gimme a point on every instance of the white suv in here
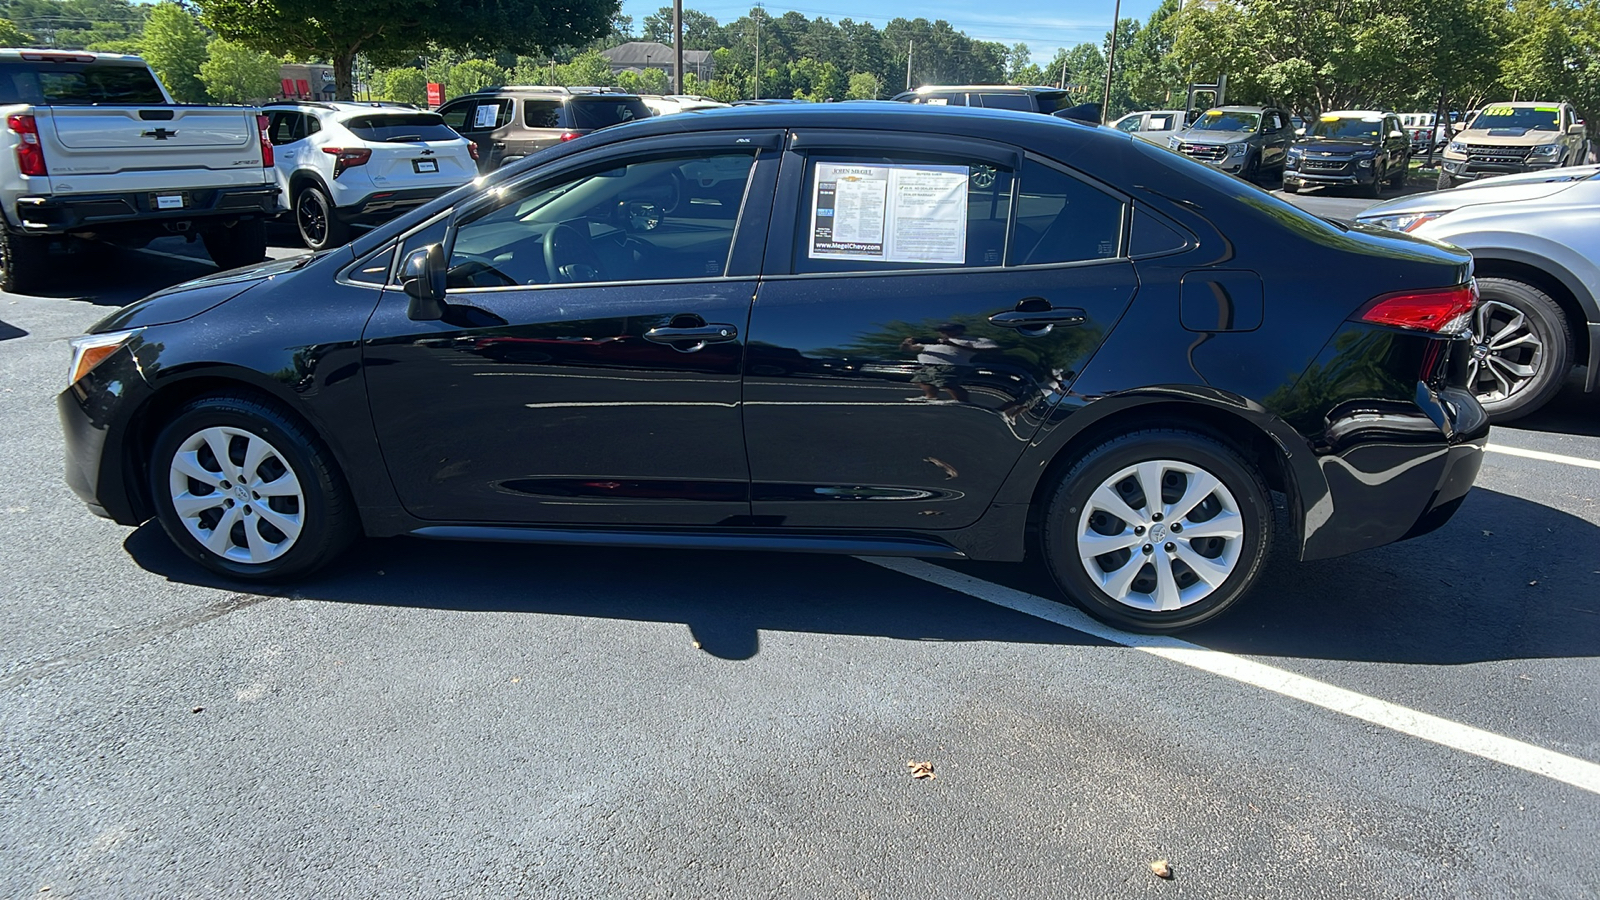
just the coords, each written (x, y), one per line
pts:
(341, 164)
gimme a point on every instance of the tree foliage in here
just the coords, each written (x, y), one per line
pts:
(406, 84)
(175, 47)
(233, 73)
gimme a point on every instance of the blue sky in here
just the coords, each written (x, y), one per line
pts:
(1042, 26)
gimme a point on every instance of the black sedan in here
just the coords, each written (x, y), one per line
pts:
(897, 330)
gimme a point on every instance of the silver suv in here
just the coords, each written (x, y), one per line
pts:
(508, 123)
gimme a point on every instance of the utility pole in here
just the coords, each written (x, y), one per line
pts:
(1111, 61)
(677, 46)
(911, 47)
(758, 51)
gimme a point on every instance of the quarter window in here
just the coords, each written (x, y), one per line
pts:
(1061, 219)
(541, 113)
(866, 214)
(648, 219)
(1021, 102)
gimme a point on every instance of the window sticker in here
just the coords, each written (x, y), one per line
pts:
(486, 114)
(890, 213)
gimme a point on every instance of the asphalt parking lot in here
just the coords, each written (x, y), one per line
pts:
(432, 719)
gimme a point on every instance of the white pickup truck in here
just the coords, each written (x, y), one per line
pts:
(95, 147)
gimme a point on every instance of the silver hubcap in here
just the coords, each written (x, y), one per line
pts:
(237, 495)
(1160, 535)
(1507, 354)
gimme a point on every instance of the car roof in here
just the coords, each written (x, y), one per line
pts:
(1357, 113)
(1248, 109)
(346, 108)
(550, 89)
(989, 88)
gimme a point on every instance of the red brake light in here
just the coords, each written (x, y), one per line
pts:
(568, 135)
(30, 154)
(1437, 311)
(347, 159)
(472, 148)
(266, 142)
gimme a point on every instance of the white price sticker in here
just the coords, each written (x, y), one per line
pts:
(485, 115)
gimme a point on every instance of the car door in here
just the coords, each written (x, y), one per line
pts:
(587, 370)
(1275, 139)
(926, 301)
(485, 121)
(1396, 144)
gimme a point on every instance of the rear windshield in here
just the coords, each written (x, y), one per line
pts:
(77, 84)
(401, 128)
(599, 112)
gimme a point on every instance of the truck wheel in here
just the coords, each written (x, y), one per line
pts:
(24, 259)
(314, 216)
(1446, 182)
(241, 244)
(1523, 348)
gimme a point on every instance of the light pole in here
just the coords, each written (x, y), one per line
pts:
(677, 46)
(1111, 60)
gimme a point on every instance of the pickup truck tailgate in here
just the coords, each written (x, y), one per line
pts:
(186, 141)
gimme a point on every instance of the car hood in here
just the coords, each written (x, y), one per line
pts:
(190, 299)
(1214, 137)
(1508, 137)
(1332, 145)
(1503, 189)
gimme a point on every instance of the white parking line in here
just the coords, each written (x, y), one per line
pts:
(1541, 455)
(1488, 745)
(178, 256)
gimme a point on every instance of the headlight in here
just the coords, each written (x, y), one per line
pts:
(1364, 162)
(93, 349)
(1295, 152)
(1406, 222)
(1173, 143)
(1239, 149)
(1549, 151)
(1456, 147)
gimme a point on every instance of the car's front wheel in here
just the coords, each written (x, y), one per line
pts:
(314, 216)
(1445, 182)
(246, 491)
(1522, 348)
(1158, 530)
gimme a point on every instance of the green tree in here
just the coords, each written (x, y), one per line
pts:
(863, 86)
(406, 84)
(175, 47)
(1554, 53)
(233, 73)
(645, 81)
(589, 68)
(388, 31)
(11, 36)
(473, 74)
(700, 31)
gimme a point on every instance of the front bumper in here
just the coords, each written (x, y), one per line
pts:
(61, 214)
(1469, 169)
(1359, 176)
(380, 206)
(97, 428)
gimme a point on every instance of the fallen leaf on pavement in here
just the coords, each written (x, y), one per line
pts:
(1162, 868)
(197, 709)
(920, 769)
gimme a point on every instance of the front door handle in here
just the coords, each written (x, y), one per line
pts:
(691, 338)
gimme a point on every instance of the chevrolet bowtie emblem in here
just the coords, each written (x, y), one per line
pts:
(159, 134)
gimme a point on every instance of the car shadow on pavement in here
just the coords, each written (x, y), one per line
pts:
(1507, 578)
(106, 275)
(9, 331)
(1569, 412)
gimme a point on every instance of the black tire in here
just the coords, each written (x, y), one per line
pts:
(1398, 179)
(1373, 188)
(1070, 498)
(315, 218)
(243, 243)
(24, 261)
(1252, 168)
(1548, 324)
(1445, 182)
(1291, 188)
(327, 517)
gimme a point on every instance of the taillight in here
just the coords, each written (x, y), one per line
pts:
(1437, 311)
(472, 148)
(347, 159)
(568, 135)
(266, 141)
(30, 154)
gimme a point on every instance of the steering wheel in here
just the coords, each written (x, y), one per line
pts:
(476, 271)
(568, 255)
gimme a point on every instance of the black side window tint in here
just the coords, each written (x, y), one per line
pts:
(1021, 102)
(433, 233)
(541, 113)
(1152, 236)
(1061, 219)
(868, 214)
(455, 115)
(374, 269)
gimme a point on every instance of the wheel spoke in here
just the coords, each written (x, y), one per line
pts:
(1505, 386)
(1201, 485)
(1518, 370)
(217, 440)
(1516, 324)
(1522, 340)
(1118, 583)
(256, 451)
(1106, 500)
(288, 524)
(1211, 571)
(188, 506)
(284, 485)
(188, 463)
(260, 548)
(1166, 593)
(1472, 373)
(1223, 525)
(220, 539)
(1093, 544)
(1149, 474)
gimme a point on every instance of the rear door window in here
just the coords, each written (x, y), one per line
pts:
(476, 115)
(399, 128)
(541, 113)
(944, 98)
(1061, 219)
(602, 112)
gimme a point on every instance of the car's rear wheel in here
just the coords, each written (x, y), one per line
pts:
(243, 243)
(1522, 348)
(1158, 530)
(246, 491)
(314, 216)
(24, 260)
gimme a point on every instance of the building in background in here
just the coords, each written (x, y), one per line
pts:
(637, 56)
(306, 81)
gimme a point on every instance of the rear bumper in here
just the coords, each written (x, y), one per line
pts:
(88, 212)
(380, 206)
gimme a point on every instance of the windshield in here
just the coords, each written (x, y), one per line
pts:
(401, 128)
(599, 112)
(1535, 118)
(1345, 127)
(1217, 120)
(77, 84)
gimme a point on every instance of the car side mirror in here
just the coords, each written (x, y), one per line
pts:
(1576, 128)
(1397, 134)
(422, 277)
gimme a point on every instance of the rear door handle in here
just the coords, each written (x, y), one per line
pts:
(1039, 318)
